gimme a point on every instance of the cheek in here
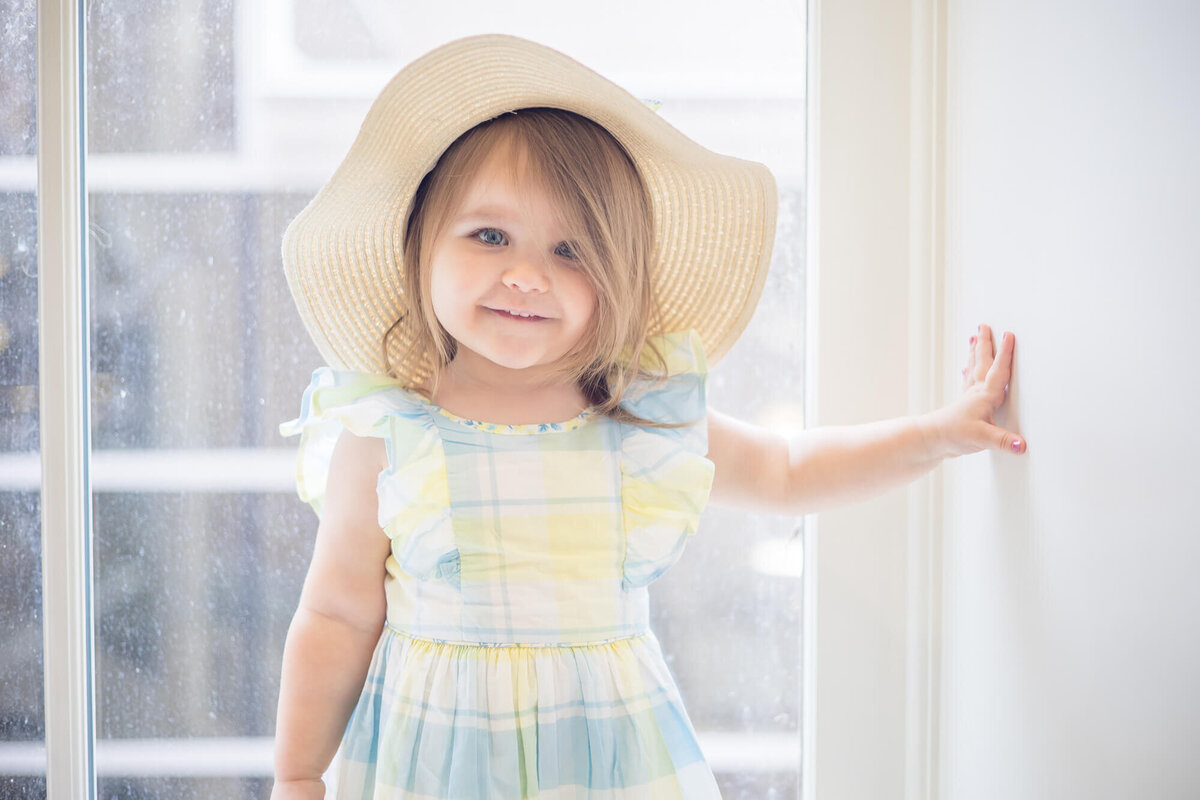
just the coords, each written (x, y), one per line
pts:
(437, 290)
(444, 288)
(583, 300)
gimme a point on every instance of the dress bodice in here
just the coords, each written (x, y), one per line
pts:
(522, 534)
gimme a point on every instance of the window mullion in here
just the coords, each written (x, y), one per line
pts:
(63, 401)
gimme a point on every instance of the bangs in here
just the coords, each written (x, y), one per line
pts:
(581, 169)
(603, 210)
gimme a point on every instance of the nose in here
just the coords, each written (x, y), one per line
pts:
(526, 275)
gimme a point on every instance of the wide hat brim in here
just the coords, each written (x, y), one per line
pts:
(713, 215)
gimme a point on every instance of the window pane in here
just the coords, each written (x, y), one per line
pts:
(200, 542)
(160, 77)
(22, 719)
(198, 354)
(18, 65)
(197, 573)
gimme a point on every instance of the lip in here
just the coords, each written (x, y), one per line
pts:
(503, 312)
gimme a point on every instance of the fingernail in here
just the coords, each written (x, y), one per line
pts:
(1016, 445)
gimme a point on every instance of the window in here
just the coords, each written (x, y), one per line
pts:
(22, 729)
(210, 126)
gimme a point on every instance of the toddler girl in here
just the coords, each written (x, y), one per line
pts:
(520, 275)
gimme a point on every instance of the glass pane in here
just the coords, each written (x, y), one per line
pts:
(198, 354)
(22, 718)
(734, 598)
(18, 65)
(197, 573)
(200, 542)
(161, 77)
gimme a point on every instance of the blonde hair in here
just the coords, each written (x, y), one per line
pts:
(590, 178)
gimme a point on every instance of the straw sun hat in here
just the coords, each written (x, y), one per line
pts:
(713, 215)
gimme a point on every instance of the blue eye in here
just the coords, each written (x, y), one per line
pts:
(491, 236)
(564, 251)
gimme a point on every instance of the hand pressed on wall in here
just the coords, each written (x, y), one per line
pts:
(968, 424)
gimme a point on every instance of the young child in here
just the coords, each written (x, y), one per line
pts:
(520, 275)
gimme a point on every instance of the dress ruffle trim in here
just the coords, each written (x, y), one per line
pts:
(414, 494)
(665, 474)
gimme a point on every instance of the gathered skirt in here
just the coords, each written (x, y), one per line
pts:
(443, 720)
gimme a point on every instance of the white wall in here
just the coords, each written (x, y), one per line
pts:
(1071, 576)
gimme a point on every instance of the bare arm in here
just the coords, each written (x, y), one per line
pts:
(337, 624)
(826, 467)
(818, 469)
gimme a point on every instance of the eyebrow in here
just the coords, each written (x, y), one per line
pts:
(485, 212)
(501, 214)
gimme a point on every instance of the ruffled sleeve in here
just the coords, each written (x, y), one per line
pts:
(665, 475)
(414, 496)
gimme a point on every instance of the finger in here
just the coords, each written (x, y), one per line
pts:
(968, 373)
(1001, 369)
(984, 352)
(1007, 440)
(976, 349)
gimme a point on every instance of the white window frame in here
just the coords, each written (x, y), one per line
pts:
(63, 405)
(875, 265)
(871, 606)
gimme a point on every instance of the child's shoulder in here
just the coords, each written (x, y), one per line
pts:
(672, 385)
(347, 426)
(359, 400)
(369, 452)
(678, 353)
(354, 467)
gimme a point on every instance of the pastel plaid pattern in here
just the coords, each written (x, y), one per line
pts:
(517, 660)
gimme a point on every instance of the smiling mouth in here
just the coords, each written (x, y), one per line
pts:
(517, 315)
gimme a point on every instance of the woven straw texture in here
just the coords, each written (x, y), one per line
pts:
(713, 215)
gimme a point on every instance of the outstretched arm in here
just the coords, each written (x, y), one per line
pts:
(823, 468)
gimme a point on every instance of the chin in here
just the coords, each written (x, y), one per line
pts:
(516, 362)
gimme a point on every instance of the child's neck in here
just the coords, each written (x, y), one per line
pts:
(507, 397)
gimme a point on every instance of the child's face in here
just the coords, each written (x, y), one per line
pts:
(503, 250)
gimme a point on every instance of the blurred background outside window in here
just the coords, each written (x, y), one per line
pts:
(211, 123)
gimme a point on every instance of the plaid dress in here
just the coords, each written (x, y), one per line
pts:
(517, 659)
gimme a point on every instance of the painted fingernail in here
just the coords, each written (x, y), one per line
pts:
(972, 340)
(1016, 445)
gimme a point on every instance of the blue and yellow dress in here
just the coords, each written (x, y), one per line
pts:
(517, 659)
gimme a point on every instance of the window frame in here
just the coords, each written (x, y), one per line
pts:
(63, 394)
(872, 609)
